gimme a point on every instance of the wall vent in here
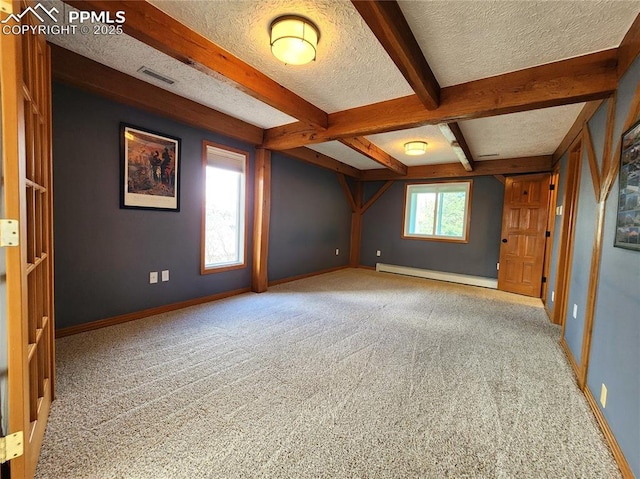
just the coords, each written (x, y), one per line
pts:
(156, 75)
(487, 155)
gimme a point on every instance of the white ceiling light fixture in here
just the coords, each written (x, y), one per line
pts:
(415, 148)
(294, 39)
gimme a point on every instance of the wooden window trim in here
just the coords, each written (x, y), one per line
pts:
(438, 238)
(221, 269)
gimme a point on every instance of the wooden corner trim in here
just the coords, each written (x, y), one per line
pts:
(347, 192)
(125, 318)
(376, 196)
(593, 161)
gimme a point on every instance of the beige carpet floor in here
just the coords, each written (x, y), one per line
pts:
(352, 374)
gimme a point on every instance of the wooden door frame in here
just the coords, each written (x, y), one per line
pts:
(15, 200)
(25, 95)
(567, 232)
(551, 223)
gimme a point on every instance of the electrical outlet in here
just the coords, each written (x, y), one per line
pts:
(165, 275)
(553, 296)
(497, 266)
(153, 277)
(378, 253)
(337, 251)
(603, 396)
(575, 311)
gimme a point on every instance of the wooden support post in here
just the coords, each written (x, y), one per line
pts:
(356, 227)
(261, 217)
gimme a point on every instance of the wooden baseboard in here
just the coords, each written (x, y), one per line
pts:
(124, 318)
(625, 469)
(549, 313)
(307, 275)
(572, 361)
(618, 455)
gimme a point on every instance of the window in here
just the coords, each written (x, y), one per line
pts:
(437, 211)
(224, 212)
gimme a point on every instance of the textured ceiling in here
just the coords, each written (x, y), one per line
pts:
(462, 40)
(532, 133)
(127, 55)
(352, 69)
(438, 150)
(469, 40)
(343, 153)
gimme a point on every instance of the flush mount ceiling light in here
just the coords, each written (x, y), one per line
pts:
(414, 148)
(294, 39)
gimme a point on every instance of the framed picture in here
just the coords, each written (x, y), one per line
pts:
(628, 219)
(150, 169)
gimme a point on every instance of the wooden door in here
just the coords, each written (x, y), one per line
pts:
(524, 226)
(26, 136)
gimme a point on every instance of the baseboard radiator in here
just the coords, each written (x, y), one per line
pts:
(438, 275)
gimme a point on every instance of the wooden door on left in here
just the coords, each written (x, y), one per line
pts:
(27, 163)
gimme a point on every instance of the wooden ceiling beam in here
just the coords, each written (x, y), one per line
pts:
(152, 26)
(511, 166)
(585, 78)
(371, 151)
(453, 134)
(388, 24)
(76, 70)
(71, 68)
(315, 158)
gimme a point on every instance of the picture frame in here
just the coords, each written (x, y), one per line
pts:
(149, 169)
(628, 213)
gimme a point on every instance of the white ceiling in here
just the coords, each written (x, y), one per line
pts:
(463, 40)
(126, 54)
(352, 69)
(531, 133)
(343, 153)
(468, 40)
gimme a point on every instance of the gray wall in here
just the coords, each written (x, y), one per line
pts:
(103, 253)
(581, 264)
(310, 219)
(382, 229)
(615, 343)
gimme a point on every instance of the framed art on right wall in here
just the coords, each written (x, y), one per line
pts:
(628, 218)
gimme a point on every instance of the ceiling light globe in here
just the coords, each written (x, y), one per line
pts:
(294, 40)
(414, 148)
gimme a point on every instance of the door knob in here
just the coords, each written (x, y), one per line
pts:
(504, 240)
